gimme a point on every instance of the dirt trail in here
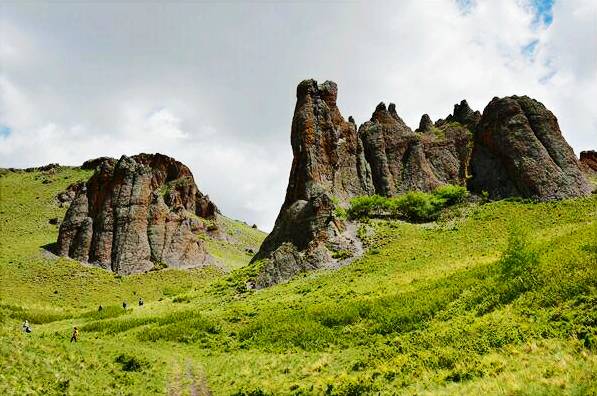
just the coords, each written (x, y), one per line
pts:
(187, 379)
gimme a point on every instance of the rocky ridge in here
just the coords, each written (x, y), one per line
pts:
(515, 148)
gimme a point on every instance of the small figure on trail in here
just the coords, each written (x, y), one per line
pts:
(100, 309)
(26, 327)
(75, 335)
(124, 305)
(140, 302)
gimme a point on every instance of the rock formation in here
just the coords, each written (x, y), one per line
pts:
(425, 125)
(326, 148)
(464, 115)
(135, 213)
(65, 197)
(520, 151)
(333, 163)
(328, 165)
(402, 160)
(514, 148)
(92, 164)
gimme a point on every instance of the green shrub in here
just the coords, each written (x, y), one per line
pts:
(451, 194)
(341, 254)
(415, 206)
(518, 261)
(367, 206)
(185, 298)
(419, 206)
(340, 212)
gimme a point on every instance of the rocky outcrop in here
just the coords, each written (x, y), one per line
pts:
(514, 148)
(425, 125)
(326, 149)
(92, 164)
(588, 160)
(135, 213)
(333, 163)
(65, 197)
(520, 151)
(328, 167)
(402, 160)
(463, 115)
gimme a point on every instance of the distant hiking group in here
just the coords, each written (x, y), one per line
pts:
(75, 335)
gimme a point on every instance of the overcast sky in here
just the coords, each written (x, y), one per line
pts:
(213, 84)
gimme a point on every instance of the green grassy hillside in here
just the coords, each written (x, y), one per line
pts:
(496, 298)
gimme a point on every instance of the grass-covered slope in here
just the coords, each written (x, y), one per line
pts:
(28, 273)
(496, 298)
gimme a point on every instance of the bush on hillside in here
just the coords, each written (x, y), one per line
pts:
(418, 206)
(518, 260)
(131, 363)
(414, 206)
(368, 206)
(451, 194)
(518, 265)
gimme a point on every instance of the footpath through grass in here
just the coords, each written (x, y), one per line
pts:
(496, 298)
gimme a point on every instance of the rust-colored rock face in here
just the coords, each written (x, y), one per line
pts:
(402, 160)
(328, 165)
(520, 151)
(136, 212)
(588, 160)
(326, 148)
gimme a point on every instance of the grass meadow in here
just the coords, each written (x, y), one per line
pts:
(496, 298)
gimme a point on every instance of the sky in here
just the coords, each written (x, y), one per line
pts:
(213, 84)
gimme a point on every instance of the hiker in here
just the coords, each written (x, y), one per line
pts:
(140, 302)
(75, 335)
(100, 309)
(124, 305)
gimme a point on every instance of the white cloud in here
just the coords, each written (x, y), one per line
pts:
(213, 84)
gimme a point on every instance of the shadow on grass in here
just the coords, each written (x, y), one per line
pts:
(51, 248)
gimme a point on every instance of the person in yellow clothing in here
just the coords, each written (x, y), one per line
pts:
(75, 335)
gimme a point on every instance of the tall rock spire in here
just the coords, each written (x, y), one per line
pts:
(328, 168)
